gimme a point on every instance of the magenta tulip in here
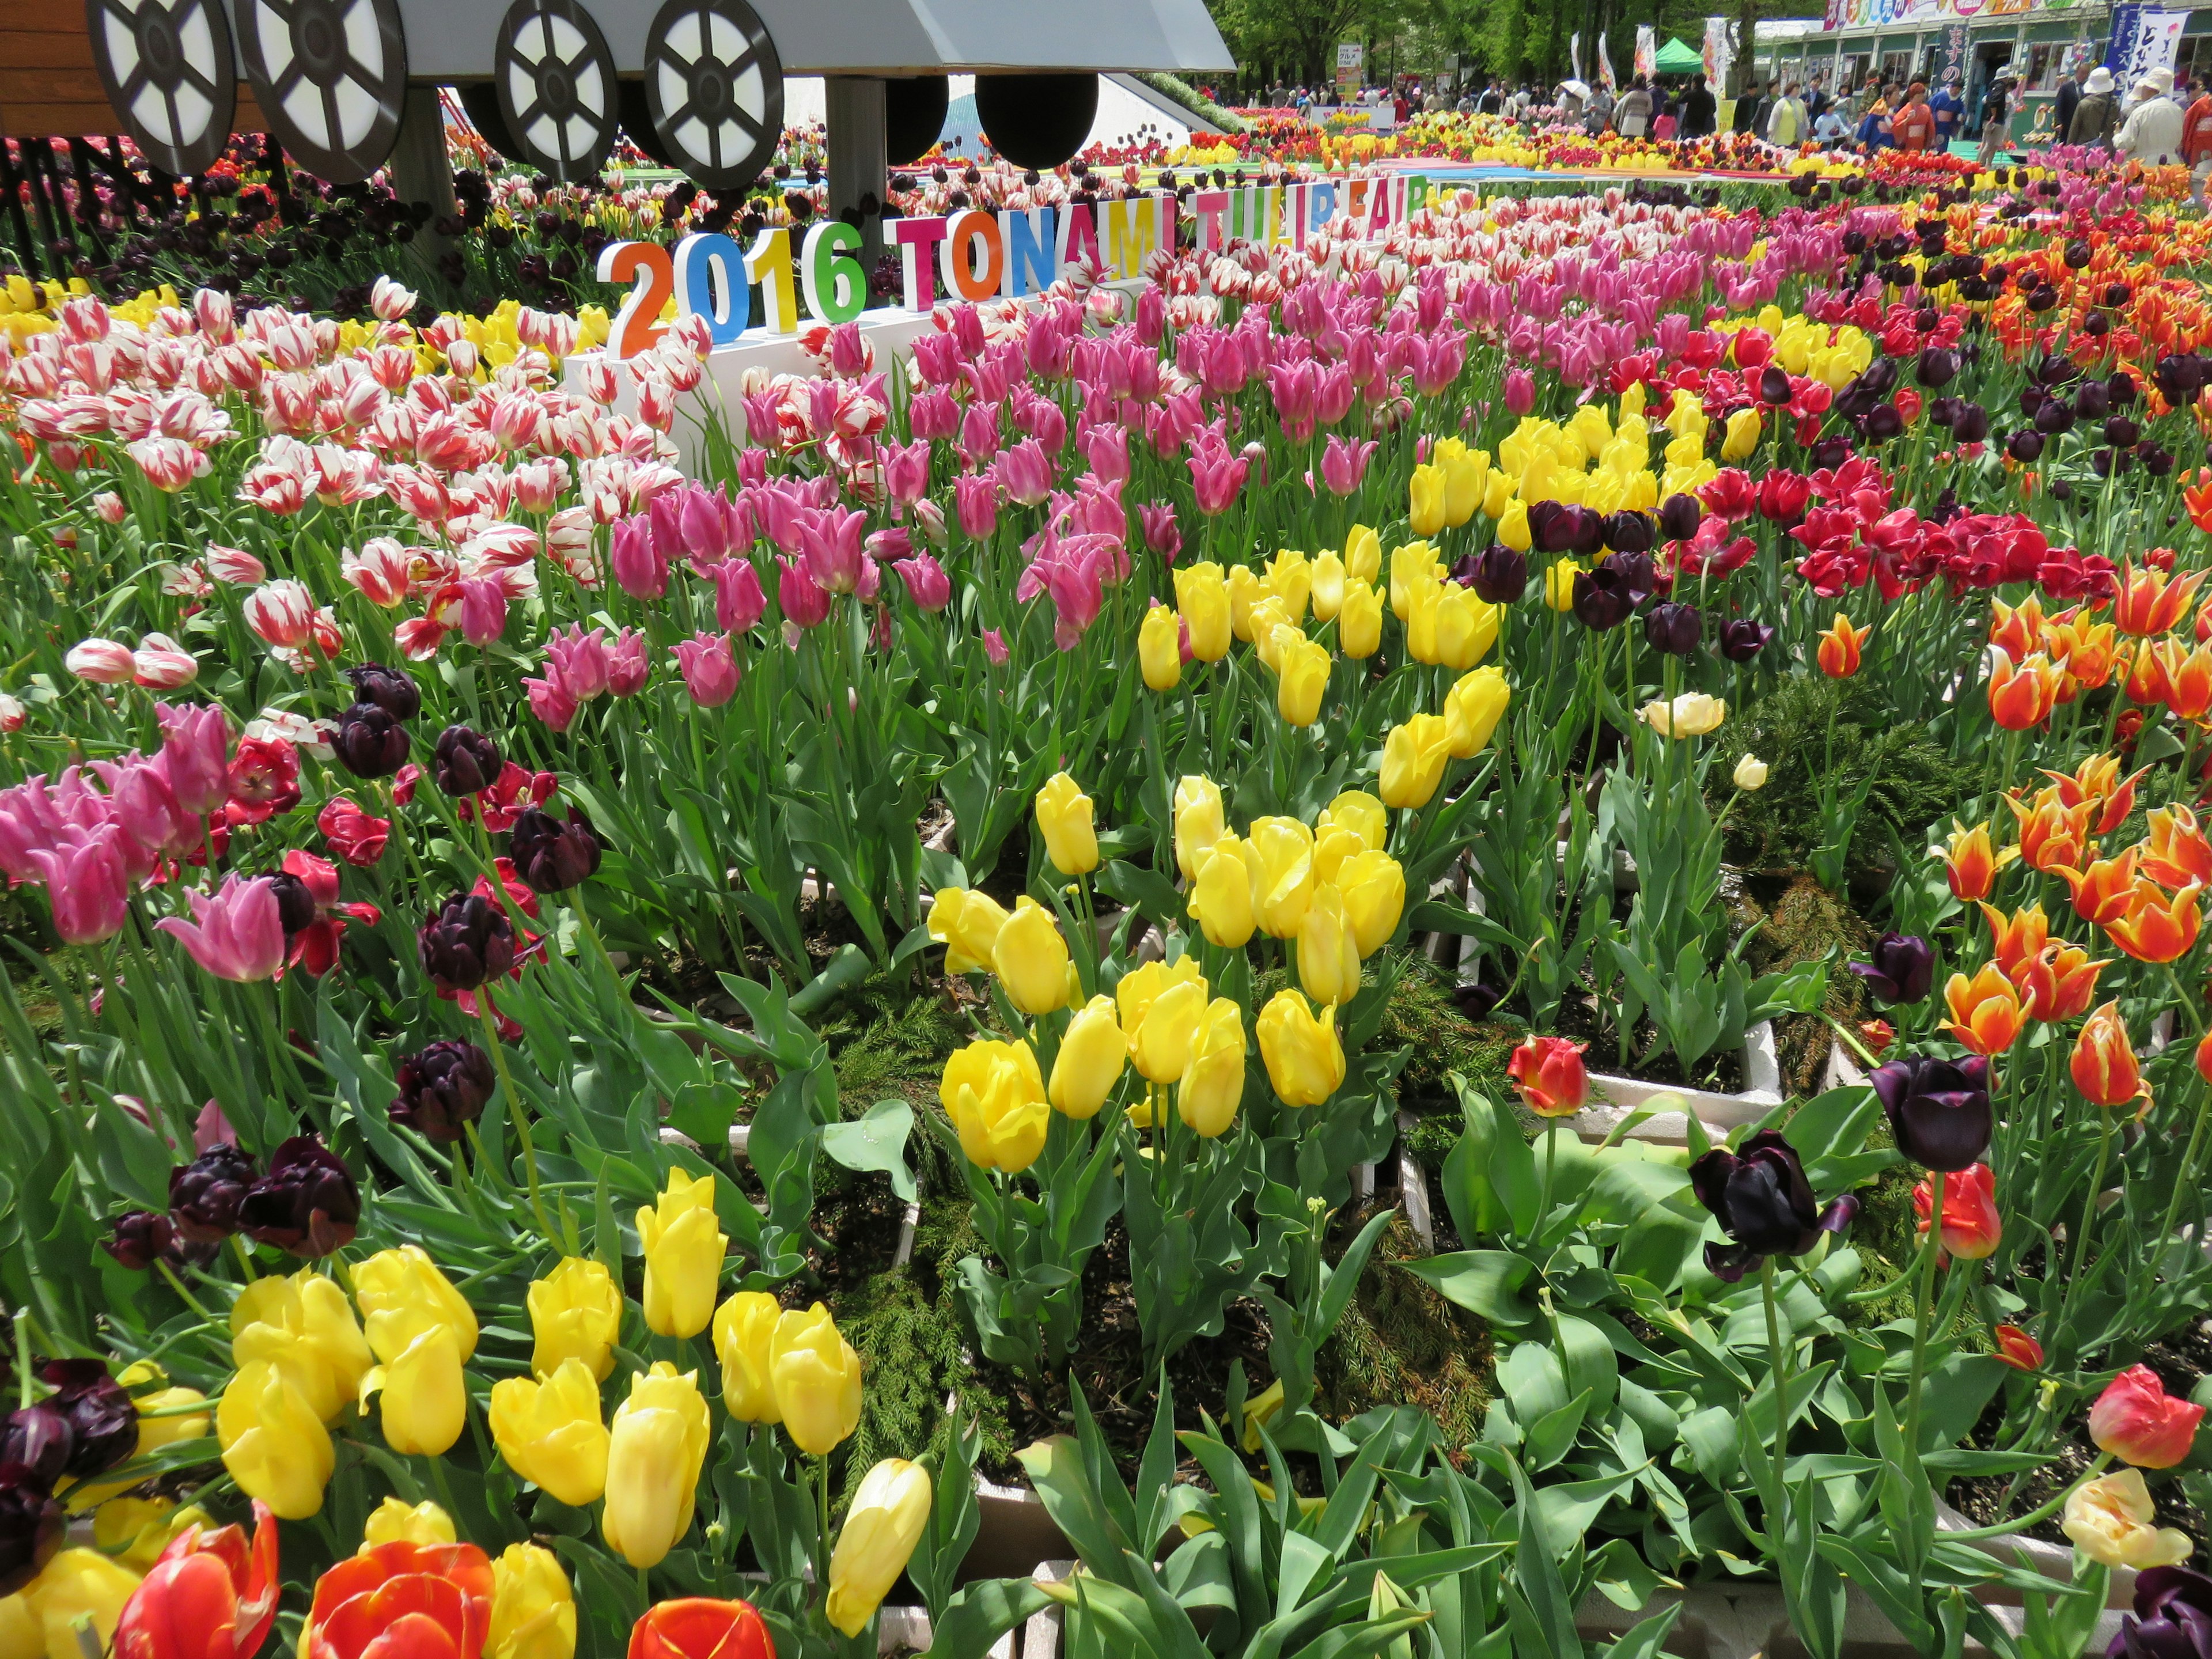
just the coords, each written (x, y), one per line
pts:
(239, 934)
(740, 601)
(1343, 464)
(710, 672)
(87, 888)
(195, 754)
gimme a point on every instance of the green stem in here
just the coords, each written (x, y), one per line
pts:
(1922, 1302)
(2089, 1217)
(520, 1116)
(2043, 1513)
(1779, 1361)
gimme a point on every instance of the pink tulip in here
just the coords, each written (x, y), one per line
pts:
(103, 662)
(109, 507)
(1343, 464)
(282, 613)
(1162, 534)
(705, 531)
(1217, 475)
(160, 663)
(627, 664)
(830, 541)
(1520, 391)
(237, 935)
(87, 887)
(979, 433)
(804, 601)
(1107, 449)
(710, 672)
(146, 806)
(639, 568)
(932, 415)
(739, 602)
(976, 498)
(1297, 389)
(782, 510)
(994, 647)
(906, 471)
(195, 755)
(551, 701)
(579, 661)
(1025, 473)
(927, 584)
(483, 610)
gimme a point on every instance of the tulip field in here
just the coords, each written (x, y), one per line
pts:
(1456, 935)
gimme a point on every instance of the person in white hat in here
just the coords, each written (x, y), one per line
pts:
(2152, 132)
(2097, 116)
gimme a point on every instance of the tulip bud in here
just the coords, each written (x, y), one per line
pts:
(466, 762)
(392, 690)
(1200, 821)
(1742, 639)
(994, 1095)
(1327, 954)
(576, 1313)
(683, 1248)
(2104, 1065)
(889, 1510)
(1305, 1059)
(817, 1377)
(369, 741)
(1221, 898)
(1750, 773)
(1063, 817)
(550, 1434)
(1680, 516)
(1473, 708)
(1159, 648)
(469, 941)
(443, 1089)
(745, 1334)
(1030, 958)
(393, 1522)
(1212, 1085)
(552, 856)
(1092, 1052)
(655, 1452)
(533, 1611)
(1359, 623)
(2136, 1420)
(1548, 1072)
(1902, 969)
(1673, 628)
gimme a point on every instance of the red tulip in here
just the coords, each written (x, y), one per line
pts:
(696, 1627)
(402, 1600)
(1971, 1226)
(2017, 1349)
(1548, 1072)
(211, 1595)
(2137, 1421)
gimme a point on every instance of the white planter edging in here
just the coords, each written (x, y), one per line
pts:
(1615, 1099)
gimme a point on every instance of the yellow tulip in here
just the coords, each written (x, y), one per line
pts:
(1631, 401)
(994, 1095)
(817, 1380)
(1412, 567)
(393, 1522)
(1466, 471)
(2112, 1519)
(1742, 435)
(745, 1333)
(79, 1588)
(653, 1457)
(967, 924)
(533, 1611)
(1496, 492)
(1559, 583)
(1413, 757)
(273, 1440)
(1305, 1059)
(135, 1530)
(1302, 669)
(1425, 515)
(684, 1249)
(1031, 958)
(1450, 626)
(402, 1294)
(888, 1512)
(304, 1325)
(550, 1433)
(1686, 416)
(1362, 554)
(426, 1399)
(1290, 578)
(1212, 1085)
(154, 1431)
(1359, 623)
(1360, 814)
(1473, 708)
(1245, 591)
(1202, 597)
(576, 1313)
(1159, 648)
(1328, 955)
(1692, 715)
(21, 1635)
(1283, 883)
(1374, 888)
(1063, 817)
(1200, 819)
(1333, 845)
(1513, 527)
(1328, 590)
(1221, 898)
(1160, 1003)
(1092, 1052)
(1272, 633)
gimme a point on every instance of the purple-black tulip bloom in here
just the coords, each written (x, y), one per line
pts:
(1499, 574)
(39, 1439)
(1674, 628)
(1742, 639)
(103, 1421)
(1602, 600)
(1628, 531)
(1679, 515)
(1586, 530)
(1550, 529)
(1938, 366)
(370, 742)
(2025, 445)
(466, 761)
(549, 855)
(1773, 386)
(1903, 968)
(443, 1089)
(204, 1195)
(2172, 1617)
(306, 1204)
(468, 941)
(1760, 1197)
(1939, 1109)
(32, 1523)
(392, 690)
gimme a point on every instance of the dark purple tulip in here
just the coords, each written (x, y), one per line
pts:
(296, 909)
(1674, 628)
(2032, 397)
(1602, 597)
(1550, 529)
(1939, 1109)
(2025, 446)
(32, 1523)
(1971, 424)
(466, 761)
(100, 1412)
(2180, 377)
(2156, 458)
(1760, 1197)
(1884, 423)
(2122, 431)
(1628, 531)
(1679, 515)
(468, 941)
(1903, 968)
(140, 1238)
(1476, 1000)
(392, 690)
(1586, 533)
(1773, 386)
(1943, 411)
(369, 742)
(2120, 390)
(1637, 570)
(2091, 400)
(204, 1195)
(1742, 639)
(39, 1439)
(1831, 453)
(550, 855)
(443, 1089)
(1881, 375)
(2172, 1617)
(306, 1204)
(1938, 366)
(1499, 574)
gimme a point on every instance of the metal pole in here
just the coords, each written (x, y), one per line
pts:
(419, 171)
(859, 156)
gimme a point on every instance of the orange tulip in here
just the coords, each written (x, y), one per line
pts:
(2075, 980)
(2146, 676)
(2017, 1349)
(2036, 982)
(2155, 928)
(2104, 1064)
(2175, 851)
(2198, 500)
(2105, 890)
(1985, 1012)
(2204, 1058)
(2188, 679)
(1841, 648)
(1972, 1227)
(2017, 629)
(425, 1601)
(2088, 649)
(696, 1627)
(2052, 836)
(2151, 604)
(2023, 694)
(211, 1595)
(2017, 939)
(2098, 782)
(1970, 864)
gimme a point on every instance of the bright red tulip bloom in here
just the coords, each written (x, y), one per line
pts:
(2017, 1349)
(696, 1627)
(2138, 1422)
(1971, 1228)
(1548, 1072)
(402, 1600)
(211, 1595)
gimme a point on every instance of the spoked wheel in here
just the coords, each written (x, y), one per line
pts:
(168, 72)
(330, 76)
(713, 85)
(556, 80)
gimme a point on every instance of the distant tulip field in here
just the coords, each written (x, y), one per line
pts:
(1454, 936)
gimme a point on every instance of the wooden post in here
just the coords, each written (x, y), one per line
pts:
(859, 158)
(419, 171)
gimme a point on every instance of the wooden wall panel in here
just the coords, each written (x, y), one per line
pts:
(48, 86)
